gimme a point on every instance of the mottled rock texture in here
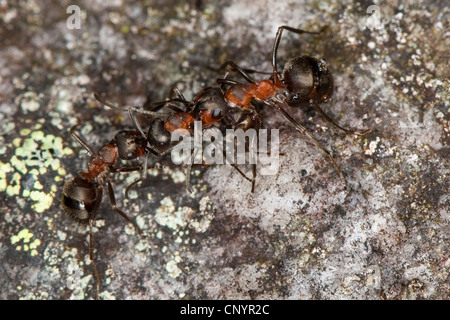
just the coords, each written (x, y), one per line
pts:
(300, 235)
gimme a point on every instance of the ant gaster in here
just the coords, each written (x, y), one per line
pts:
(82, 195)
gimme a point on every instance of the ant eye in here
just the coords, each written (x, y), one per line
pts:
(295, 97)
(217, 114)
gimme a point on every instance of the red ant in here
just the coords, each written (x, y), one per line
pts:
(304, 79)
(208, 106)
(82, 195)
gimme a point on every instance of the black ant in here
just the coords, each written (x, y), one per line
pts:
(82, 195)
(304, 79)
(208, 106)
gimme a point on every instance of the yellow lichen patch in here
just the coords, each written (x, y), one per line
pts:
(33, 247)
(14, 187)
(17, 141)
(43, 200)
(13, 190)
(35, 172)
(55, 164)
(35, 155)
(62, 171)
(25, 132)
(23, 234)
(4, 169)
(67, 151)
(35, 244)
(19, 165)
(27, 146)
(38, 185)
(38, 135)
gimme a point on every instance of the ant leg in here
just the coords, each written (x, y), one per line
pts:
(233, 124)
(158, 105)
(81, 141)
(222, 82)
(133, 109)
(305, 132)
(348, 131)
(179, 97)
(253, 178)
(177, 92)
(257, 126)
(189, 169)
(136, 124)
(91, 257)
(130, 169)
(246, 70)
(277, 43)
(142, 178)
(112, 199)
(236, 68)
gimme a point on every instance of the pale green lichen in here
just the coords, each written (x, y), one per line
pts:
(172, 269)
(43, 200)
(23, 242)
(16, 142)
(23, 234)
(34, 155)
(166, 215)
(19, 165)
(30, 105)
(25, 132)
(38, 185)
(4, 169)
(33, 247)
(206, 215)
(13, 188)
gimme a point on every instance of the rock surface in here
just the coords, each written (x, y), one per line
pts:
(300, 235)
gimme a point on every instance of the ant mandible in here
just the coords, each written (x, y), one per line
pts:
(304, 79)
(82, 194)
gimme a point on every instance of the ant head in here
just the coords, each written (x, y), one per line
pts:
(80, 199)
(131, 145)
(307, 78)
(157, 136)
(211, 105)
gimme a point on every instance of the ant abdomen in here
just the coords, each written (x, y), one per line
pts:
(307, 78)
(158, 136)
(80, 199)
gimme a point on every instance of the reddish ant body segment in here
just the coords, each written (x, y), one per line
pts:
(208, 106)
(82, 195)
(304, 79)
(231, 105)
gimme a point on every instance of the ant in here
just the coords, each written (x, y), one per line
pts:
(208, 107)
(304, 79)
(82, 194)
